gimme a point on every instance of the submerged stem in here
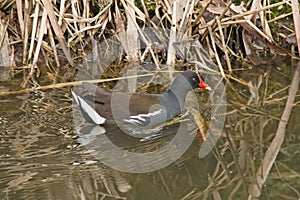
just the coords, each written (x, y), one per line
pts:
(273, 150)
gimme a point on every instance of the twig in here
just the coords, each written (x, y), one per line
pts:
(69, 84)
(241, 15)
(197, 20)
(34, 29)
(214, 22)
(57, 30)
(280, 17)
(25, 36)
(52, 42)
(224, 45)
(19, 4)
(215, 51)
(3, 34)
(172, 40)
(273, 150)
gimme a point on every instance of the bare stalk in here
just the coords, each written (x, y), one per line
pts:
(68, 84)
(172, 40)
(272, 152)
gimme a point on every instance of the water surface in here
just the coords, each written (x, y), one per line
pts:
(41, 156)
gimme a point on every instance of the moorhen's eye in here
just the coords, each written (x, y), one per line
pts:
(194, 80)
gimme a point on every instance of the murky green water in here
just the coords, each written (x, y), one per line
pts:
(42, 158)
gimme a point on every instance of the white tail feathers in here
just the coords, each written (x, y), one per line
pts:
(88, 112)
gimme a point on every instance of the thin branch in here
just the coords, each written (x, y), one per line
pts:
(273, 150)
(68, 84)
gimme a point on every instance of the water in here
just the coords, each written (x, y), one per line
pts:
(41, 156)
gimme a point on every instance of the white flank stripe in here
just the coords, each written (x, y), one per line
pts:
(132, 121)
(147, 115)
(138, 119)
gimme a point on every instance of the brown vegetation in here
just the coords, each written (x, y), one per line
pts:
(39, 30)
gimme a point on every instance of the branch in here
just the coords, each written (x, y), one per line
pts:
(273, 150)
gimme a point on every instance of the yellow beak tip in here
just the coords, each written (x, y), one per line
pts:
(207, 88)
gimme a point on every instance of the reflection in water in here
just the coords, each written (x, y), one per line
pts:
(125, 153)
(41, 156)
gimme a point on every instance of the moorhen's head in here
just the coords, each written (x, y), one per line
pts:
(194, 80)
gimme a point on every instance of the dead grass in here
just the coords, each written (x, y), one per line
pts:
(43, 28)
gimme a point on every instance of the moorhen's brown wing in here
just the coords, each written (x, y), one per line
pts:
(119, 106)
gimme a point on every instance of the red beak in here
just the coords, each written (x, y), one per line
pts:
(202, 84)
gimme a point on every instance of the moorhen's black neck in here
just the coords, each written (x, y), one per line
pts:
(177, 93)
(180, 87)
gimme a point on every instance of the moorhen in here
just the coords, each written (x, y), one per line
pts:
(143, 110)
